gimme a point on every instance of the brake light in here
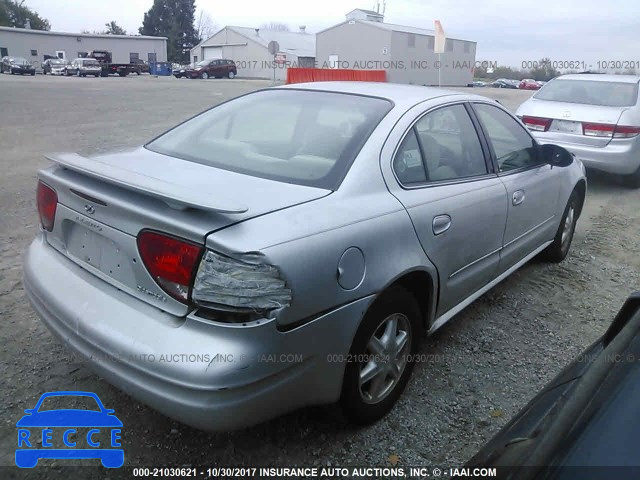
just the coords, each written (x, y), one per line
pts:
(623, 131)
(171, 261)
(598, 129)
(537, 124)
(47, 203)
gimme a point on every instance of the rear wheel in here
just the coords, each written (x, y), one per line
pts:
(380, 354)
(633, 180)
(559, 249)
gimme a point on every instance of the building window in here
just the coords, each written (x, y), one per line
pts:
(448, 46)
(195, 59)
(151, 57)
(133, 57)
(82, 54)
(411, 40)
(4, 52)
(467, 47)
(34, 53)
(431, 43)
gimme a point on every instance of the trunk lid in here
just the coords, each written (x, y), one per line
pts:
(567, 119)
(106, 200)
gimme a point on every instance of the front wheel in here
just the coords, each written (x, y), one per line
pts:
(381, 354)
(559, 249)
(204, 76)
(232, 75)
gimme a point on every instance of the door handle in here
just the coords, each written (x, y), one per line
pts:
(518, 197)
(441, 224)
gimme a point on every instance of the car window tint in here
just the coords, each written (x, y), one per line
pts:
(408, 163)
(513, 146)
(73, 402)
(590, 92)
(308, 138)
(450, 144)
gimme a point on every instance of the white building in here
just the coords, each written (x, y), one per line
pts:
(365, 42)
(37, 45)
(248, 48)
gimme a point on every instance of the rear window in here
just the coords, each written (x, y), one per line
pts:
(590, 92)
(294, 136)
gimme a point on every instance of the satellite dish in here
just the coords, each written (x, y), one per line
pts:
(273, 47)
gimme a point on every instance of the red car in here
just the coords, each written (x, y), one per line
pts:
(529, 84)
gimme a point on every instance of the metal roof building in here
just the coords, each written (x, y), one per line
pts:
(248, 48)
(37, 45)
(364, 41)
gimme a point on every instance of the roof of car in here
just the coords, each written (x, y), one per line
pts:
(398, 93)
(605, 77)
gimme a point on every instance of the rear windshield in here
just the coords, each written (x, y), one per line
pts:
(294, 136)
(92, 63)
(590, 92)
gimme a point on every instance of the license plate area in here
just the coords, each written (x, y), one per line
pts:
(87, 245)
(566, 126)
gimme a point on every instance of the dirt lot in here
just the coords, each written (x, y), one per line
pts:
(483, 366)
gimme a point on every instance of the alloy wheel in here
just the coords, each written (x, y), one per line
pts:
(385, 359)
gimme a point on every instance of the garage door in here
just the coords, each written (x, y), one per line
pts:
(211, 52)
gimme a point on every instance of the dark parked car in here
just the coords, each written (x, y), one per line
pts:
(584, 423)
(505, 83)
(54, 66)
(15, 65)
(139, 66)
(217, 68)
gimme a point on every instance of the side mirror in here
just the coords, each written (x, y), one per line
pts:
(556, 156)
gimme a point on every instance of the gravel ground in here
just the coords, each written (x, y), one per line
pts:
(478, 370)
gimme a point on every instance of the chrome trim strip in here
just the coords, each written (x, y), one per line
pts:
(528, 232)
(474, 262)
(440, 321)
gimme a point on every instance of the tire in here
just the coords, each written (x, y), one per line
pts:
(33, 74)
(204, 76)
(633, 180)
(231, 75)
(559, 249)
(97, 75)
(368, 401)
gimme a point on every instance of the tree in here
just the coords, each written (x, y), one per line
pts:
(204, 26)
(114, 29)
(14, 13)
(276, 27)
(173, 19)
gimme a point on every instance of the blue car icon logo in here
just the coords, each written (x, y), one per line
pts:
(86, 430)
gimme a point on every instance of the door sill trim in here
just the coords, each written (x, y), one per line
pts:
(444, 318)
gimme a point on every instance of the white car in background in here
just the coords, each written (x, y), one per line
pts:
(596, 117)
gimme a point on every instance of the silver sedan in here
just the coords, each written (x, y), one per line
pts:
(596, 117)
(290, 246)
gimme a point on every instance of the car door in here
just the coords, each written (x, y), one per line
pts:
(456, 202)
(533, 186)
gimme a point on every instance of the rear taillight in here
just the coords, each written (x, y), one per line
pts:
(47, 204)
(624, 131)
(598, 129)
(171, 261)
(537, 124)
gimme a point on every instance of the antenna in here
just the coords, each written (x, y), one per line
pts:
(378, 8)
(384, 6)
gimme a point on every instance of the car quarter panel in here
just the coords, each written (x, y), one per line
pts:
(307, 241)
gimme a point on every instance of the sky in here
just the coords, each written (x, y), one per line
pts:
(508, 32)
